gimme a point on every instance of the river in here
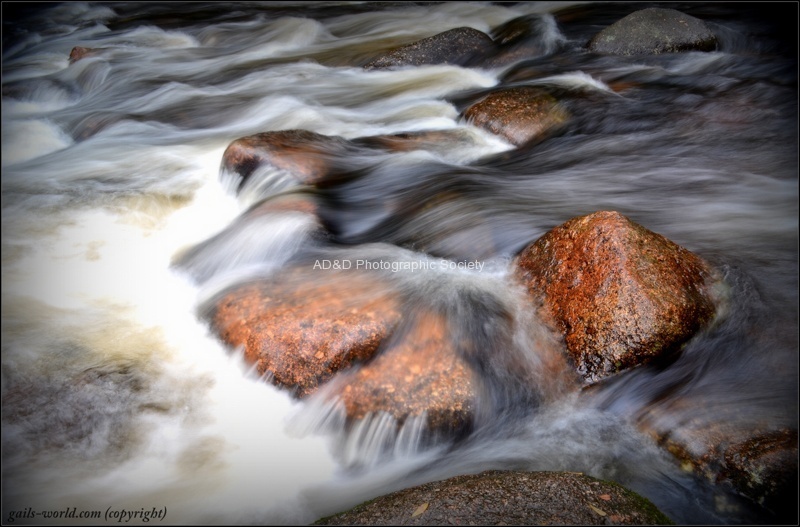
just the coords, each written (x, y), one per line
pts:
(116, 393)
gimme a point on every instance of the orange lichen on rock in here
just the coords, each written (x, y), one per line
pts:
(300, 331)
(421, 371)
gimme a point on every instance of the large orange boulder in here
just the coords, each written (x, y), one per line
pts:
(301, 327)
(519, 115)
(620, 294)
(419, 372)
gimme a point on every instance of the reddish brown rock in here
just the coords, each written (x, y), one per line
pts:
(763, 467)
(758, 460)
(433, 140)
(305, 155)
(420, 371)
(301, 327)
(79, 52)
(458, 46)
(654, 30)
(519, 115)
(620, 294)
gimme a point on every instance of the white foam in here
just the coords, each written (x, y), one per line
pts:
(29, 139)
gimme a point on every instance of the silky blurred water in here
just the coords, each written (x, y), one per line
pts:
(117, 225)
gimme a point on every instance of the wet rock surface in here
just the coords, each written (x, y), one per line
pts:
(764, 468)
(299, 329)
(507, 498)
(433, 140)
(620, 294)
(759, 462)
(522, 38)
(419, 372)
(654, 30)
(305, 155)
(458, 46)
(519, 115)
(79, 52)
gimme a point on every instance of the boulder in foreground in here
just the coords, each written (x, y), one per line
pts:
(420, 371)
(507, 498)
(301, 328)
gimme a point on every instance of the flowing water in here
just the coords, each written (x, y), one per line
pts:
(117, 225)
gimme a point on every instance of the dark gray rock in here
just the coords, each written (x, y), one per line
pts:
(459, 46)
(507, 498)
(654, 30)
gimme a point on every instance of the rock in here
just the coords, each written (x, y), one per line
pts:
(519, 115)
(459, 46)
(620, 294)
(419, 371)
(522, 38)
(307, 156)
(79, 52)
(758, 461)
(764, 468)
(654, 30)
(507, 498)
(431, 140)
(302, 326)
(267, 233)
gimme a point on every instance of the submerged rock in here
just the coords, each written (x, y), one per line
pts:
(763, 467)
(654, 30)
(301, 327)
(519, 115)
(759, 462)
(79, 52)
(419, 372)
(430, 140)
(314, 159)
(459, 46)
(305, 155)
(289, 218)
(507, 498)
(522, 38)
(620, 294)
